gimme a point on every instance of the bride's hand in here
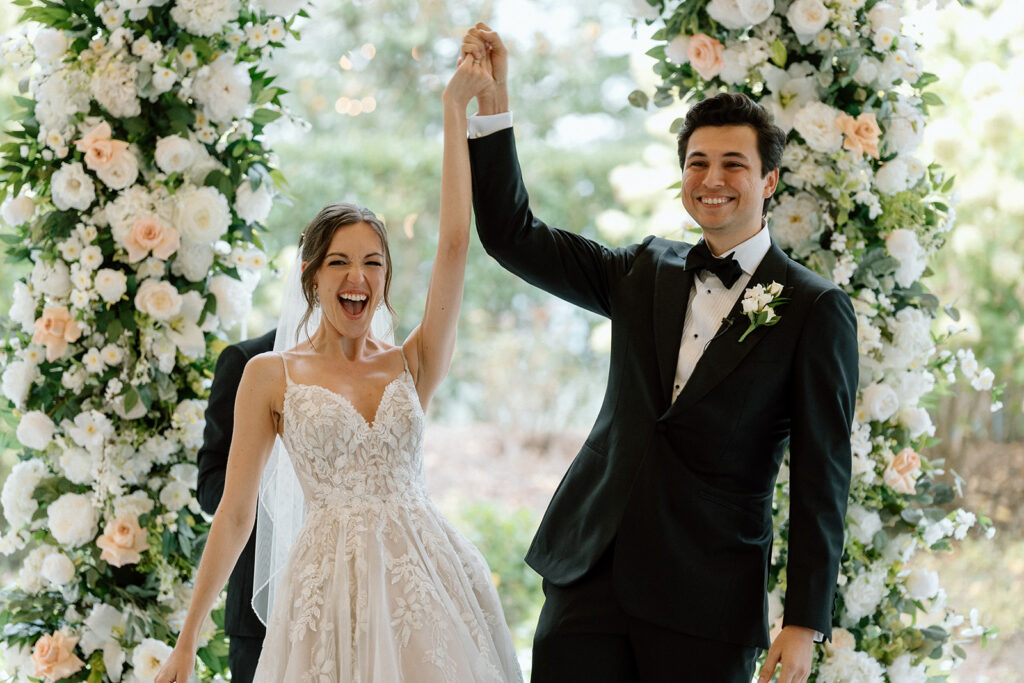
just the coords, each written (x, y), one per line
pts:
(472, 76)
(178, 668)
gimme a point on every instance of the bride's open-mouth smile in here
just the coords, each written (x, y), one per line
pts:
(353, 303)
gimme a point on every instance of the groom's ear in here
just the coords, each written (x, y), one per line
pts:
(771, 182)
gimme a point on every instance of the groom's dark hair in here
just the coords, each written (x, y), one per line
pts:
(736, 109)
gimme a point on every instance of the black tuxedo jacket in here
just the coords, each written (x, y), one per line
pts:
(239, 619)
(684, 489)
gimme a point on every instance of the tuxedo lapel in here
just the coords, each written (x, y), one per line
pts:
(724, 352)
(671, 297)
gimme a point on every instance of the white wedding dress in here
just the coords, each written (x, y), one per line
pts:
(379, 586)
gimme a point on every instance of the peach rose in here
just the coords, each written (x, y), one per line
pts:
(149, 233)
(98, 134)
(123, 541)
(901, 473)
(861, 133)
(54, 330)
(53, 657)
(705, 55)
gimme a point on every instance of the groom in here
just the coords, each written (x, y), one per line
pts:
(656, 546)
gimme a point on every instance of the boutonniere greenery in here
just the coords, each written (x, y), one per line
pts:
(759, 304)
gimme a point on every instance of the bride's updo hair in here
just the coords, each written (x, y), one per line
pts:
(316, 239)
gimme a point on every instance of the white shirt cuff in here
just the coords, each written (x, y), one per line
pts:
(482, 126)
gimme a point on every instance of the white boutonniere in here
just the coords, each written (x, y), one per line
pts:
(759, 304)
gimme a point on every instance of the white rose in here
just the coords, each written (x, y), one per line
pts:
(58, 569)
(72, 519)
(795, 219)
(175, 496)
(201, 214)
(903, 134)
(727, 13)
(72, 188)
(818, 126)
(253, 206)
(885, 16)
(677, 50)
(917, 421)
(120, 172)
(867, 71)
(18, 210)
(892, 177)
(175, 154)
(111, 284)
(158, 299)
(756, 11)
(879, 402)
(735, 70)
(922, 584)
(807, 17)
(286, 8)
(23, 307)
(223, 88)
(50, 45)
(902, 670)
(148, 657)
(864, 523)
(17, 380)
(35, 430)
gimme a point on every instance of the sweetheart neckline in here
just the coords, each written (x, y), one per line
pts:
(376, 413)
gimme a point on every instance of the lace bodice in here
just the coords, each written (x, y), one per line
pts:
(340, 459)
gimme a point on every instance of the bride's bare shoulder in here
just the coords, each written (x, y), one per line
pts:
(264, 372)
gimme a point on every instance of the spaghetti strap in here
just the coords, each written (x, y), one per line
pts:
(287, 377)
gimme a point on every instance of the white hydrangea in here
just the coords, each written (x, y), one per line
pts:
(204, 17)
(193, 260)
(113, 85)
(35, 430)
(76, 463)
(72, 519)
(795, 219)
(850, 666)
(223, 89)
(864, 523)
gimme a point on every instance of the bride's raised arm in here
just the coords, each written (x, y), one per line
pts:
(255, 428)
(431, 344)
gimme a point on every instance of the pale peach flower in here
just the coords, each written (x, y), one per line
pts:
(705, 55)
(54, 330)
(98, 134)
(53, 657)
(861, 134)
(123, 541)
(149, 233)
(900, 474)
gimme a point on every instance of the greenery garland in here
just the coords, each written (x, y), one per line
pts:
(134, 186)
(856, 205)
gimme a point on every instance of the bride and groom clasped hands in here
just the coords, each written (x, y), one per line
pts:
(656, 545)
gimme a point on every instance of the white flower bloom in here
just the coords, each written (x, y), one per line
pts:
(158, 299)
(70, 249)
(184, 331)
(189, 419)
(50, 45)
(253, 206)
(917, 421)
(902, 670)
(734, 70)
(885, 16)
(93, 361)
(35, 430)
(756, 11)
(817, 123)
(963, 522)
(23, 307)
(795, 219)
(111, 284)
(58, 569)
(193, 260)
(17, 495)
(256, 35)
(276, 31)
(148, 656)
(99, 627)
(72, 188)
(922, 584)
(234, 299)
(120, 172)
(790, 90)
(201, 214)
(91, 258)
(143, 47)
(807, 17)
(878, 402)
(18, 210)
(902, 245)
(864, 523)
(850, 666)
(936, 531)
(17, 380)
(113, 85)
(137, 503)
(223, 89)
(862, 595)
(175, 154)
(983, 380)
(76, 463)
(175, 495)
(727, 13)
(72, 519)
(204, 17)
(867, 71)
(90, 430)
(30, 576)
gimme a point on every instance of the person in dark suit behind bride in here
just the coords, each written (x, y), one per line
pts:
(655, 548)
(244, 629)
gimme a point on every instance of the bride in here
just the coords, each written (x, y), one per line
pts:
(378, 587)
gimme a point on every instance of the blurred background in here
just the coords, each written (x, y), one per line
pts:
(365, 84)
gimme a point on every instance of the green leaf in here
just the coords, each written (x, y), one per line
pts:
(639, 99)
(264, 116)
(131, 399)
(779, 54)
(931, 99)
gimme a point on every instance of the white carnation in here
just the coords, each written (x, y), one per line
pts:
(922, 584)
(58, 569)
(902, 670)
(863, 595)
(18, 210)
(17, 495)
(72, 519)
(72, 188)
(817, 124)
(201, 214)
(253, 206)
(148, 656)
(807, 17)
(795, 219)
(35, 430)
(17, 381)
(864, 523)
(223, 88)
(175, 154)
(879, 402)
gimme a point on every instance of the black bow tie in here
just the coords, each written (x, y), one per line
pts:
(727, 269)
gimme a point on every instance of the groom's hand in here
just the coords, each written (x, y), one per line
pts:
(794, 649)
(483, 43)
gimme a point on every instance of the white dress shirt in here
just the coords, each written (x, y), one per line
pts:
(710, 302)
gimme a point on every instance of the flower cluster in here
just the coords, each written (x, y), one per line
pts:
(857, 204)
(133, 187)
(759, 304)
